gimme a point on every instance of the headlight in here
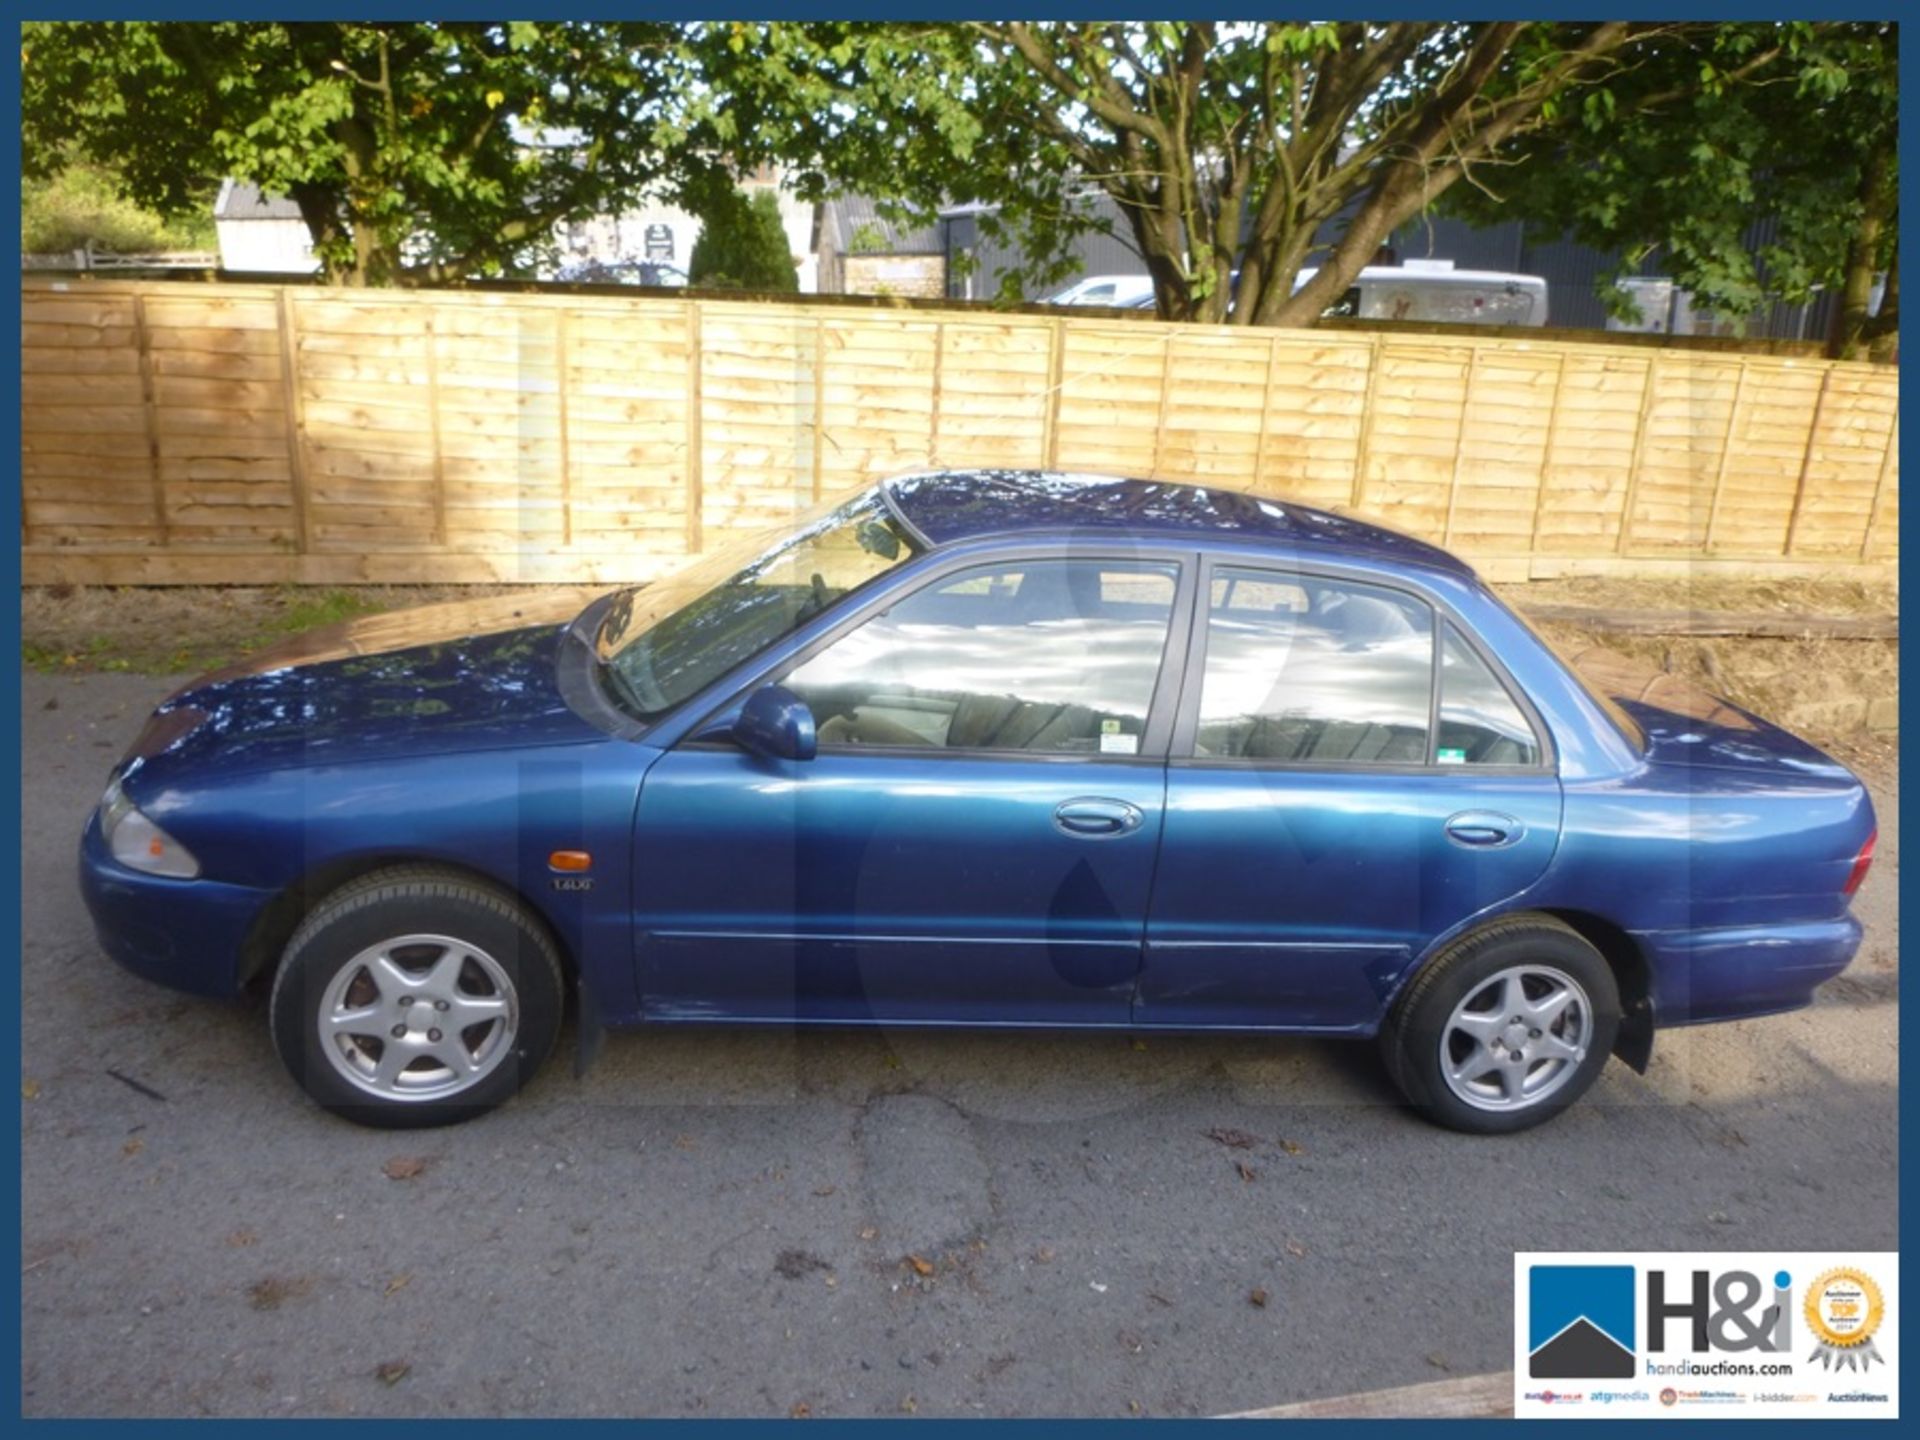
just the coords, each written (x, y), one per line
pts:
(139, 844)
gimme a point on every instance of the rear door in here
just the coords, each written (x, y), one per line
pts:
(1350, 777)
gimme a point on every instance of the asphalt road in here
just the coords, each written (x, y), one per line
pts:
(719, 1223)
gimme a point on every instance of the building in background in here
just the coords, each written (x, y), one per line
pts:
(261, 234)
(1570, 269)
(264, 234)
(663, 234)
(859, 253)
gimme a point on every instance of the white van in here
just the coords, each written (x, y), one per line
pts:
(1417, 290)
(1434, 290)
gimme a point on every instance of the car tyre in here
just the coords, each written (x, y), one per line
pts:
(1505, 1028)
(416, 996)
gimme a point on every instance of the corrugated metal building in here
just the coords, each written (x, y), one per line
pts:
(1571, 269)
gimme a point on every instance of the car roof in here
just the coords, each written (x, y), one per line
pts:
(948, 506)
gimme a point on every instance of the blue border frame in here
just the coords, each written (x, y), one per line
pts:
(849, 10)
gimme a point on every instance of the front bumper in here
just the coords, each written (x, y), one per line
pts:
(1733, 973)
(187, 934)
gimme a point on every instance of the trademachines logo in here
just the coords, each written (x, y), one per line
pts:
(1580, 1322)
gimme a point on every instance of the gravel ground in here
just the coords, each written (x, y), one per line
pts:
(879, 1223)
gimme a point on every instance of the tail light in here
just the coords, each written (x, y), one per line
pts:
(1862, 863)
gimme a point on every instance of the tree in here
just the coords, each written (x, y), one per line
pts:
(1659, 166)
(743, 246)
(81, 203)
(413, 150)
(1266, 148)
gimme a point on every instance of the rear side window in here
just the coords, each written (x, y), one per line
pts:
(1480, 722)
(1318, 671)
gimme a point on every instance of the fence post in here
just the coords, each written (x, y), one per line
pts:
(1359, 494)
(1056, 373)
(1546, 460)
(1880, 485)
(296, 422)
(433, 424)
(566, 460)
(143, 343)
(1806, 469)
(696, 499)
(933, 422)
(1726, 453)
(1460, 444)
(1639, 450)
(819, 403)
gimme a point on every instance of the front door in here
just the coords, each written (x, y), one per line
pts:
(1350, 779)
(975, 839)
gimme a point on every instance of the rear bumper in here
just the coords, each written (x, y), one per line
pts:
(1729, 974)
(187, 934)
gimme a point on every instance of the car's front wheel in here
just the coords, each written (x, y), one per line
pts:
(416, 996)
(1505, 1028)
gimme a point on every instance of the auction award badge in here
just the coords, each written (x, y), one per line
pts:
(1843, 1310)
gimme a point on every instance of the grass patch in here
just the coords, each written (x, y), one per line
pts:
(173, 630)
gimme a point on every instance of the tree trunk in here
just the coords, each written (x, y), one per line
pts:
(1863, 257)
(323, 209)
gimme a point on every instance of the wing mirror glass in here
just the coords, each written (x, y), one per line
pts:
(776, 723)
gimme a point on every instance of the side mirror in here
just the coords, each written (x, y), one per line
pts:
(775, 723)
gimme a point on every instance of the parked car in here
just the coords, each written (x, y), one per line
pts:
(982, 748)
(1119, 291)
(623, 272)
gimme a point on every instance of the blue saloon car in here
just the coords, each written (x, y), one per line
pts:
(981, 748)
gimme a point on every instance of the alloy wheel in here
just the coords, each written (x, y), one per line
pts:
(1516, 1038)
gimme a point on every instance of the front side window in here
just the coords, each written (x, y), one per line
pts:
(662, 643)
(1317, 671)
(1056, 656)
(1480, 723)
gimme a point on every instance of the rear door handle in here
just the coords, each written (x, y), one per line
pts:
(1484, 829)
(1097, 817)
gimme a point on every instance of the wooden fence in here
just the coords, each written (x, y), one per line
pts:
(182, 433)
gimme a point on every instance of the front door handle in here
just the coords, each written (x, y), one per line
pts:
(1097, 817)
(1484, 829)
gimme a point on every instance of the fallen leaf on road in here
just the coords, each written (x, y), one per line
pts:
(1138, 1043)
(1293, 1147)
(800, 1411)
(405, 1167)
(1438, 1361)
(133, 1147)
(1044, 1255)
(683, 1142)
(1296, 1249)
(399, 1283)
(824, 1190)
(240, 1239)
(1231, 1138)
(270, 1293)
(1257, 1297)
(1247, 1172)
(868, 1232)
(920, 1266)
(792, 1264)
(29, 1089)
(391, 1372)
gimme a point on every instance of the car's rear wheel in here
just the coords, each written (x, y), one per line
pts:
(416, 996)
(1505, 1028)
